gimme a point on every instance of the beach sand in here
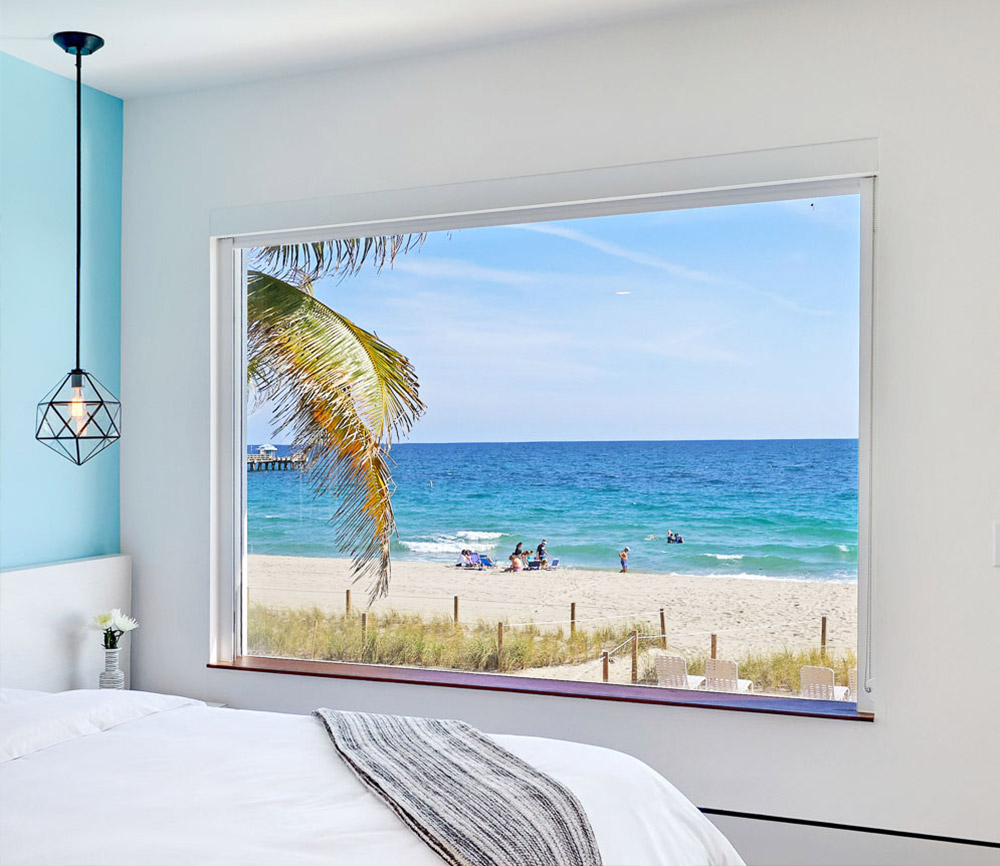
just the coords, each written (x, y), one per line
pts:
(747, 614)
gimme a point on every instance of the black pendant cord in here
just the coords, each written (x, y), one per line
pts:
(78, 208)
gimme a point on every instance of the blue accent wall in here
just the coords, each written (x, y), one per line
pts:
(50, 509)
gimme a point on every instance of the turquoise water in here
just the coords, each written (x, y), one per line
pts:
(776, 508)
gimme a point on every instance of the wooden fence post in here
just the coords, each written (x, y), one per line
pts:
(663, 628)
(572, 619)
(348, 602)
(456, 610)
(635, 657)
(822, 638)
(500, 646)
(715, 645)
(604, 658)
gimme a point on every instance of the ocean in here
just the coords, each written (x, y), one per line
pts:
(757, 508)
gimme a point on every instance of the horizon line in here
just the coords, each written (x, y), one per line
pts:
(605, 441)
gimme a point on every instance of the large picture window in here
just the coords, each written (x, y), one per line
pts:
(619, 450)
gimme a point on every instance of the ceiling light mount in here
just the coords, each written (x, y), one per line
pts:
(75, 42)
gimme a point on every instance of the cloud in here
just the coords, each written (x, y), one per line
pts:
(789, 304)
(679, 350)
(671, 268)
(691, 345)
(457, 269)
(618, 251)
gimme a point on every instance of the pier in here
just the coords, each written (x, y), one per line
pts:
(267, 463)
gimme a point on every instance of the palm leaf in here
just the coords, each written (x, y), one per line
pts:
(340, 257)
(381, 380)
(344, 395)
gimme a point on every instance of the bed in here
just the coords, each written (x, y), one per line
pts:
(134, 777)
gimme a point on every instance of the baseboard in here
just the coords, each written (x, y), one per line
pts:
(770, 840)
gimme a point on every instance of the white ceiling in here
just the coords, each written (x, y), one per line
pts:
(158, 46)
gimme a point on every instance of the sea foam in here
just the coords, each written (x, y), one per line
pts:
(453, 543)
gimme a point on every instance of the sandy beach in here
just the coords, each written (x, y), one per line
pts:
(747, 614)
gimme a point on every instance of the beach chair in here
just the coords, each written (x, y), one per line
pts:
(723, 676)
(485, 561)
(672, 672)
(534, 565)
(474, 561)
(852, 684)
(553, 564)
(817, 684)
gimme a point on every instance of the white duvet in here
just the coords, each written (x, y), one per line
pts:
(103, 777)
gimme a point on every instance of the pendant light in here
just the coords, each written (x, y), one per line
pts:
(79, 417)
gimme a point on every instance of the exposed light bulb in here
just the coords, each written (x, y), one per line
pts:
(78, 411)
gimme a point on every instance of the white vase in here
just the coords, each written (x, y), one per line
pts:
(112, 677)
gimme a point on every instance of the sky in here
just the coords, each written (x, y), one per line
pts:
(736, 322)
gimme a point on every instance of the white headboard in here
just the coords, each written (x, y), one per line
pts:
(44, 611)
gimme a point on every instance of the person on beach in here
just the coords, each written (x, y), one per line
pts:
(623, 556)
(516, 563)
(541, 555)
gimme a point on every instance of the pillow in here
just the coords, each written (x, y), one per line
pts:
(35, 724)
(17, 696)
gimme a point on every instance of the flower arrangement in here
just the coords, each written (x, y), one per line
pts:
(114, 624)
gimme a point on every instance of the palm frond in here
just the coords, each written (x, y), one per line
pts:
(344, 395)
(333, 258)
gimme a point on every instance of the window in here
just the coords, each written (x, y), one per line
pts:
(659, 410)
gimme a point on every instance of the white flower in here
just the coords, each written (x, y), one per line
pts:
(113, 620)
(102, 621)
(122, 621)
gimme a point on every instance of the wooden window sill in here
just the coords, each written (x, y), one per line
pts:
(746, 703)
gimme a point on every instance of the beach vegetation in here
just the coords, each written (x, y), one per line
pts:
(342, 394)
(409, 640)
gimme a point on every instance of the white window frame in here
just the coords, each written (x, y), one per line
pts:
(837, 169)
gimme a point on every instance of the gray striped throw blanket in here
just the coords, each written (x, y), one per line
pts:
(469, 799)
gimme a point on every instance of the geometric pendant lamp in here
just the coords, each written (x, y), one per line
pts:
(78, 418)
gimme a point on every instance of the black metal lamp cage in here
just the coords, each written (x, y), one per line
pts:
(78, 418)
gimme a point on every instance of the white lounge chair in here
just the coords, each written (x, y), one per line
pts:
(672, 672)
(723, 676)
(817, 684)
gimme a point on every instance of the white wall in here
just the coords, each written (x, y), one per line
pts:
(920, 76)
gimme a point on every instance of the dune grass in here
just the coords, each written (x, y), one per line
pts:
(410, 640)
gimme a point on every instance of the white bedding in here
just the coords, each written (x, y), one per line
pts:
(95, 777)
